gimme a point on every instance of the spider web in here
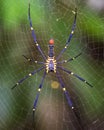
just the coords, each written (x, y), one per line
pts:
(51, 19)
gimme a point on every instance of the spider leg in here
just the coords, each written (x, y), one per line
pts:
(70, 35)
(75, 75)
(65, 91)
(34, 36)
(27, 76)
(31, 60)
(70, 59)
(69, 99)
(39, 90)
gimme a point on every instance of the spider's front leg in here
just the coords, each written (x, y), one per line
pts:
(70, 35)
(34, 36)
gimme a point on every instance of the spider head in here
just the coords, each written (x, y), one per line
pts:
(51, 42)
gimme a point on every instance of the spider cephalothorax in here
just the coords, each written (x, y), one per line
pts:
(51, 62)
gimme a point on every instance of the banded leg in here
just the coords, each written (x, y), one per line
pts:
(27, 76)
(75, 75)
(34, 36)
(69, 100)
(70, 59)
(39, 90)
(64, 90)
(70, 35)
(31, 60)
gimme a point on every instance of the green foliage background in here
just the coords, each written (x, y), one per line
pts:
(16, 40)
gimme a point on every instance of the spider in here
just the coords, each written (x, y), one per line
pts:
(52, 64)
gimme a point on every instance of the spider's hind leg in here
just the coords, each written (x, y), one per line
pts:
(75, 75)
(26, 77)
(37, 96)
(70, 103)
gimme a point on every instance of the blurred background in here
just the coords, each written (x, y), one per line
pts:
(51, 19)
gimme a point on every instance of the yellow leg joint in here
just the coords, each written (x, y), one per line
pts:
(31, 28)
(39, 89)
(64, 89)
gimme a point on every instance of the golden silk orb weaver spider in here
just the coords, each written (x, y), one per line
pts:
(51, 64)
